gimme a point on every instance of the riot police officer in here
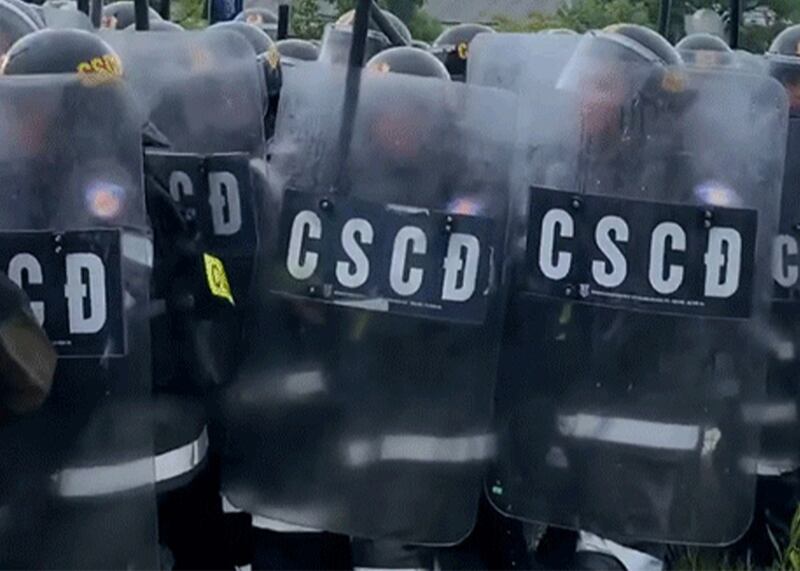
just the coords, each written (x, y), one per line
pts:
(75, 189)
(597, 436)
(120, 15)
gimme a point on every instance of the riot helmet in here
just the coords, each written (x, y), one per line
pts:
(120, 15)
(256, 37)
(62, 51)
(409, 61)
(452, 46)
(649, 39)
(705, 50)
(783, 58)
(29, 10)
(261, 18)
(703, 42)
(14, 24)
(297, 49)
(161, 26)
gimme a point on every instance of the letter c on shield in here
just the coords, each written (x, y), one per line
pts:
(302, 267)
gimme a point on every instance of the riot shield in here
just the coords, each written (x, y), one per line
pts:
(635, 334)
(205, 92)
(76, 479)
(363, 404)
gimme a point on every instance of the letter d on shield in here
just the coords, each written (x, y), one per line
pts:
(77, 291)
(715, 260)
(232, 223)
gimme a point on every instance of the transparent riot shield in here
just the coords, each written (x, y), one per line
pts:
(637, 329)
(205, 92)
(363, 405)
(777, 414)
(76, 477)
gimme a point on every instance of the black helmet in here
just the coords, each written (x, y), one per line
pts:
(347, 18)
(161, 26)
(256, 37)
(705, 50)
(62, 51)
(14, 24)
(703, 42)
(261, 18)
(120, 15)
(452, 46)
(651, 40)
(410, 61)
(29, 11)
(787, 43)
(298, 49)
(783, 58)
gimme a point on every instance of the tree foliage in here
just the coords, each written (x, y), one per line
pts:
(583, 15)
(306, 21)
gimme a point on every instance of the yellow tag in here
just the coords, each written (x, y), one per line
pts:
(100, 70)
(217, 278)
(273, 57)
(673, 81)
(463, 50)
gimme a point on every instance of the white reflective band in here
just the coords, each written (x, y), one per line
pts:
(247, 567)
(261, 522)
(630, 431)
(95, 481)
(360, 568)
(770, 413)
(422, 448)
(632, 559)
(769, 466)
(138, 249)
(183, 460)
